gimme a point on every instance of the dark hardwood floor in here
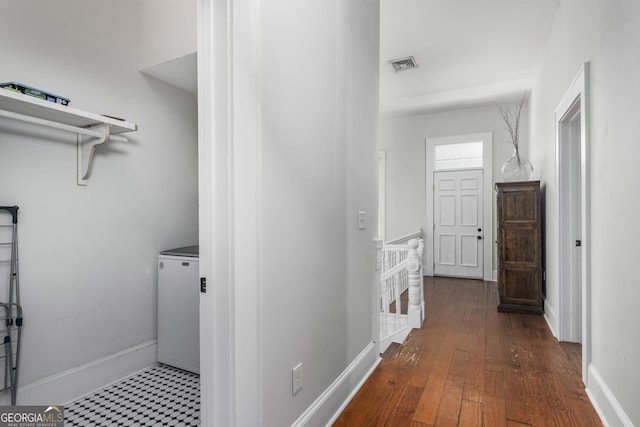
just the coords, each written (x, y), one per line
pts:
(472, 366)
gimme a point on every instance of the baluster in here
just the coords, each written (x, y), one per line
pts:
(421, 254)
(415, 284)
(405, 283)
(382, 286)
(398, 283)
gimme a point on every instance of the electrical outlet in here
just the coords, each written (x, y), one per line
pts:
(296, 378)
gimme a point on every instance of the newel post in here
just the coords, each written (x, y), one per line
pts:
(415, 285)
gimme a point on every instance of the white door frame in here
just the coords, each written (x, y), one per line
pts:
(382, 194)
(487, 166)
(569, 188)
(229, 191)
(577, 94)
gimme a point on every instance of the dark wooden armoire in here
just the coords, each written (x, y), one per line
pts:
(519, 247)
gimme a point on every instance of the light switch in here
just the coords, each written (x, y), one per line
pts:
(362, 218)
(296, 378)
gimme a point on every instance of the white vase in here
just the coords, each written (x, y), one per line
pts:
(517, 168)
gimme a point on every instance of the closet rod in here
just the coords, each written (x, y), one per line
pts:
(56, 125)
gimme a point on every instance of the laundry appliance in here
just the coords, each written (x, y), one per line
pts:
(178, 308)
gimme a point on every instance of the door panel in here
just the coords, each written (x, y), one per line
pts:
(469, 254)
(458, 202)
(447, 210)
(469, 210)
(468, 184)
(447, 249)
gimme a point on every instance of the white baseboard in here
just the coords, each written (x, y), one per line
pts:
(326, 408)
(66, 386)
(494, 275)
(604, 402)
(551, 318)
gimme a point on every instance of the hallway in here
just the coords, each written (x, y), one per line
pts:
(472, 366)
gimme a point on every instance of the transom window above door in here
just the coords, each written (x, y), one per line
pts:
(463, 155)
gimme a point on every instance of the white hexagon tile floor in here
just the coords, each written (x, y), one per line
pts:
(158, 396)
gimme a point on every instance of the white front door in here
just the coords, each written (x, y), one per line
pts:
(457, 214)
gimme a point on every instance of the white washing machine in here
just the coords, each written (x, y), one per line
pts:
(178, 308)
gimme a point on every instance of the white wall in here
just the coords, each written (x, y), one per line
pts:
(319, 112)
(168, 42)
(285, 168)
(606, 33)
(404, 141)
(88, 254)
(167, 30)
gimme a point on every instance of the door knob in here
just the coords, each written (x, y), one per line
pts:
(479, 230)
(479, 237)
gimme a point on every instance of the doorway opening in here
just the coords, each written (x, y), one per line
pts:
(572, 171)
(457, 230)
(569, 150)
(459, 206)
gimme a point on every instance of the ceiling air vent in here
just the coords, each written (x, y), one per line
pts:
(403, 64)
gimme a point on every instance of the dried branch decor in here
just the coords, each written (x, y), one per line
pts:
(517, 168)
(512, 118)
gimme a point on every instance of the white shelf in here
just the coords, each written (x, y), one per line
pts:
(39, 108)
(92, 129)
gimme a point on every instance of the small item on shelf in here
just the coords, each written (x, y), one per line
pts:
(113, 117)
(36, 93)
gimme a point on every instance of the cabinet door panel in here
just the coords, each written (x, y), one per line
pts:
(520, 244)
(520, 286)
(520, 205)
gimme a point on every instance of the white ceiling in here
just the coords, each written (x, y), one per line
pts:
(468, 52)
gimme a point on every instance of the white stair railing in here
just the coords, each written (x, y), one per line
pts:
(404, 240)
(394, 253)
(393, 282)
(400, 264)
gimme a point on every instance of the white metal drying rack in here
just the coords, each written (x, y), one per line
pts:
(99, 129)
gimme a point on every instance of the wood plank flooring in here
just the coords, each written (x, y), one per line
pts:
(472, 366)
